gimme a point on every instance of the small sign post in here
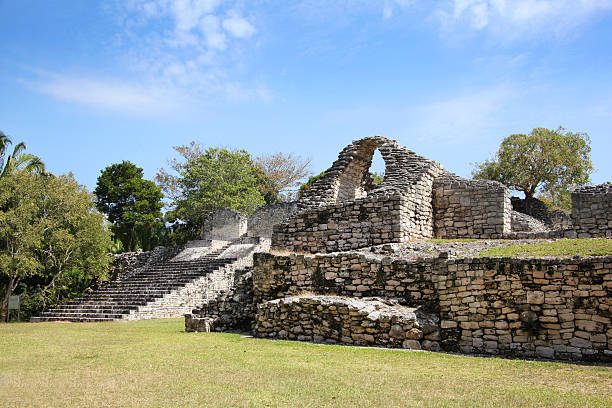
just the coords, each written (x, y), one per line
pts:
(13, 304)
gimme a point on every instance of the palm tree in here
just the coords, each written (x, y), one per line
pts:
(18, 160)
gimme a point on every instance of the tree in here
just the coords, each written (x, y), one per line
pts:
(283, 173)
(218, 179)
(544, 161)
(52, 240)
(278, 174)
(18, 160)
(206, 181)
(132, 204)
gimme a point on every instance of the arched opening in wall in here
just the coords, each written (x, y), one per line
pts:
(377, 168)
(356, 181)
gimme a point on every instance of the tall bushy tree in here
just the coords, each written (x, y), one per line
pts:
(546, 161)
(52, 240)
(204, 180)
(217, 179)
(278, 174)
(132, 204)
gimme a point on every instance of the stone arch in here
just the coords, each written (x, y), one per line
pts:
(349, 179)
(354, 180)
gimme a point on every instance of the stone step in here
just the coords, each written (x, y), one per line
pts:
(85, 314)
(117, 299)
(75, 319)
(97, 308)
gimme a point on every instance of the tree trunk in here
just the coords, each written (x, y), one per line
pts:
(4, 306)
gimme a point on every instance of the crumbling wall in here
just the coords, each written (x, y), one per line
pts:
(471, 208)
(554, 219)
(225, 224)
(343, 210)
(262, 221)
(334, 319)
(592, 211)
(344, 226)
(550, 308)
(231, 311)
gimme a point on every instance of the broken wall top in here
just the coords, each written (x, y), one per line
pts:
(348, 178)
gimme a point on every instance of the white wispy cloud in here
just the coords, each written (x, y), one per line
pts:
(514, 19)
(238, 26)
(110, 94)
(182, 52)
(504, 20)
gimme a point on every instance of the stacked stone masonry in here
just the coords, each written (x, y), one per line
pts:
(471, 208)
(553, 219)
(548, 308)
(231, 310)
(592, 211)
(362, 322)
(417, 199)
(261, 222)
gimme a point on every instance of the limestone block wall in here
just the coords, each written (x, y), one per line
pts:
(344, 226)
(431, 202)
(470, 208)
(230, 310)
(345, 274)
(260, 223)
(592, 211)
(225, 224)
(550, 308)
(333, 319)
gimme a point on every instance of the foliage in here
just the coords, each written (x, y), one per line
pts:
(132, 204)
(52, 241)
(18, 160)
(206, 181)
(377, 178)
(562, 247)
(154, 363)
(549, 160)
(306, 186)
(283, 173)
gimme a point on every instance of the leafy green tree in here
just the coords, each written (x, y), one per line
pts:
(278, 174)
(208, 180)
(218, 179)
(52, 240)
(132, 204)
(17, 160)
(377, 178)
(546, 161)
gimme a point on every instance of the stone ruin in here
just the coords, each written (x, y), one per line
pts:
(320, 283)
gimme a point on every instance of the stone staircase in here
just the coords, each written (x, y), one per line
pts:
(158, 286)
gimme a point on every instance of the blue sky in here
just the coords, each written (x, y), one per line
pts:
(86, 84)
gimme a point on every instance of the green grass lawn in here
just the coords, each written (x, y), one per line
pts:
(562, 247)
(155, 363)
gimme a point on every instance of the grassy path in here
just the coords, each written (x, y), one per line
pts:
(155, 363)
